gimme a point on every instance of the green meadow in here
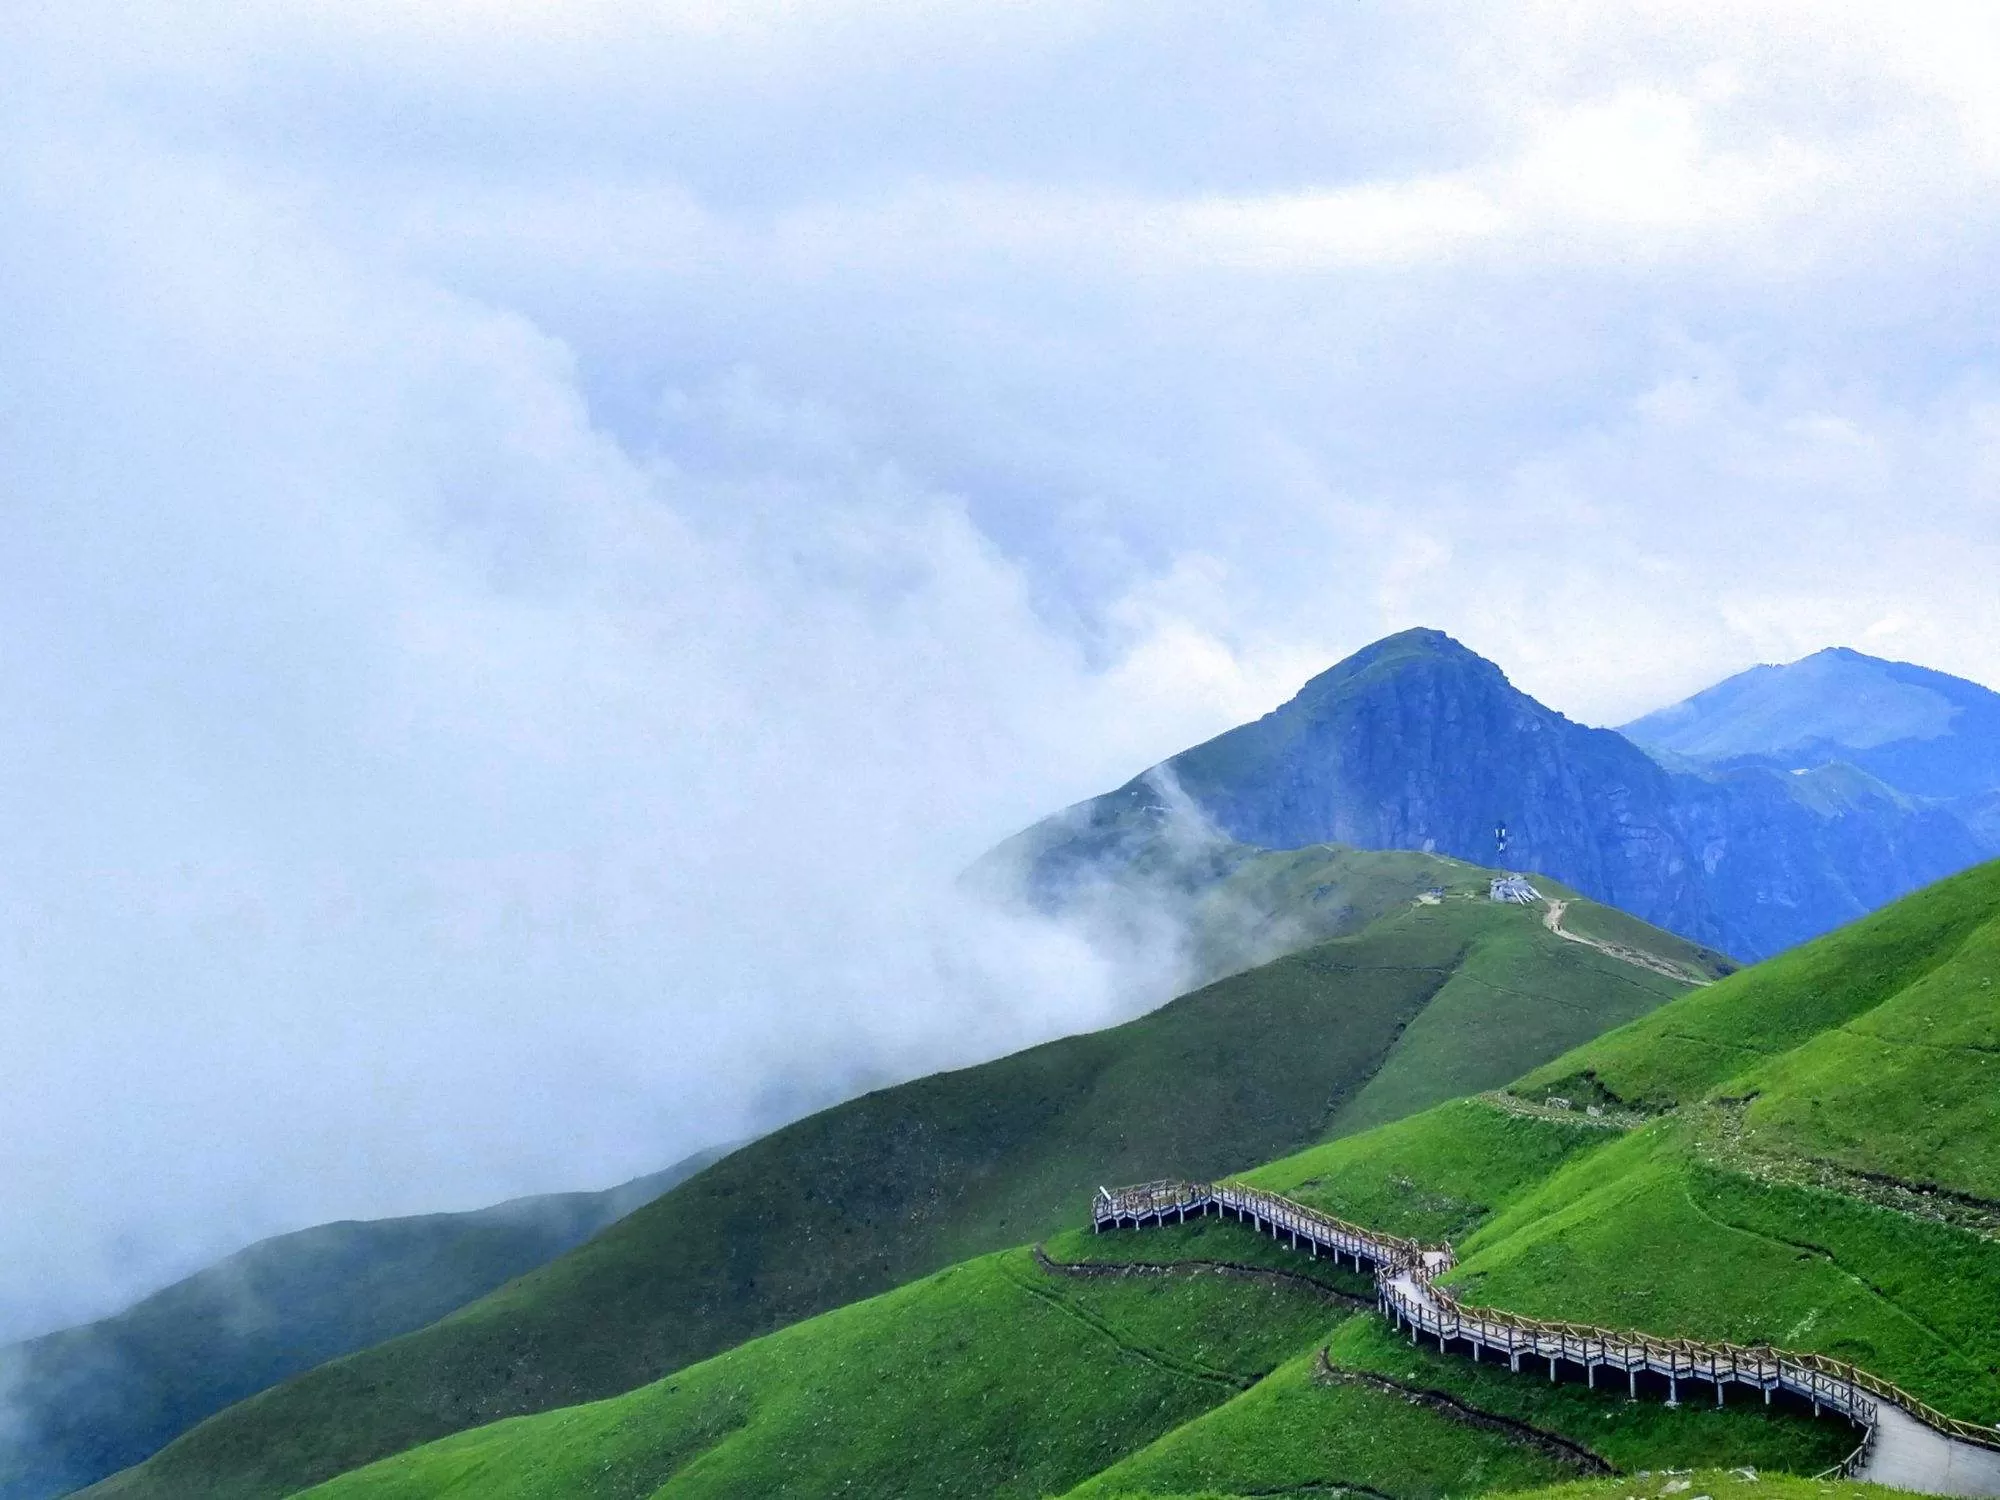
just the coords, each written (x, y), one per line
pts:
(1416, 1003)
(1798, 1154)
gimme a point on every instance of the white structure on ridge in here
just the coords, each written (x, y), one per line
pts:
(1514, 888)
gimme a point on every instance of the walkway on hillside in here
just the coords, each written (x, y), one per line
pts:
(1553, 920)
(1909, 1456)
(1905, 1442)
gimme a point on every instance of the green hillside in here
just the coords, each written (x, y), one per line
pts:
(88, 1401)
(1818, 1170)
(992, 1378)
(1836, 1160)
(1753, 1173)
(1423, 1001)
(1780, 1004)
(1014, 1375)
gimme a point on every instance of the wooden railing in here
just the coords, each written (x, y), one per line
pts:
(1406, 1290)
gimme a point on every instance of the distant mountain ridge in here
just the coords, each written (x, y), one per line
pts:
(1416, 742)
(1925, 733)
(85, 1402)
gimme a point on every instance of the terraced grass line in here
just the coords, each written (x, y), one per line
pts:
(1158, 1360)
(1312, 1487)
(1181, 1267)
(1831, 1259)
(1291, 1434)
(1720, 1140)
(1528, 1110)
(1442, 1402)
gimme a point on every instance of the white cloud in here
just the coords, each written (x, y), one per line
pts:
(534, 539)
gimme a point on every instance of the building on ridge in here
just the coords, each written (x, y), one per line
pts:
(1513, 888)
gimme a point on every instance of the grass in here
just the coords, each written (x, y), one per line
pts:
(1206, 1242)
(1607, 924)
(1435, 1176)
(1297, 1432)
(890, 1187)
(1713, 1484)
(1690, 1484)
(1862, 1063)
(1520, 995)
(1683, 1051)
(992, 1378)
(1293, 1434)
(998, 1378)
(1863, 1057)
(1908, 1089)
(1648, 1236)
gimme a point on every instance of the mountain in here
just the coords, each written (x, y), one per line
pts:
(1417, 743)
(1430, 989)
(1804, 1154)
(1924, 733)
(88, 1401)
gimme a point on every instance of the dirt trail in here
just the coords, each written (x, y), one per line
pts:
(1552, 919)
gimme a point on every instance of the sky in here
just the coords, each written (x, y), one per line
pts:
(536, 539)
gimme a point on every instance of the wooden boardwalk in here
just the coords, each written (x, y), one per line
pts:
(1924, 1441)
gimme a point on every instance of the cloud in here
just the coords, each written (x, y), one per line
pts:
(422, 796)
(535, 541)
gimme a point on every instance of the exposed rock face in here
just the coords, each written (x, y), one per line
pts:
(1416, 742)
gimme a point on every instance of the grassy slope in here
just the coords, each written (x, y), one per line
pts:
(1651, 1236)
(1778, 1005)
(1907, 1089)
(1436, 1176)
(1715, 1484)
(998, 1378)
(1607, 924)
(1294, 1432)
(1684, 1225)
(1867, 1060)
(88, 1401)
(893, 1185)
(1695, 1484)
(992, 1378)
(1522, 993)
(966, 1384)
(1294, 1435)
(1868, 1052)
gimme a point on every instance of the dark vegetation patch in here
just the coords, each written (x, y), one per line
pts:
(1557, 1447)
(1236, 1269)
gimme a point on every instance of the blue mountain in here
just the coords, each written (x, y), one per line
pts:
(1417, 742)
(1924, 733)
(85, 1402)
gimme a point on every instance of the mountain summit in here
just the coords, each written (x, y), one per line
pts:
(1417, 742)
(1922, 732)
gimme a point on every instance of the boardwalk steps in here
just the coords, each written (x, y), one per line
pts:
(1406, 1293)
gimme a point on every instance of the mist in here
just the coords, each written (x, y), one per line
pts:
(536, 542)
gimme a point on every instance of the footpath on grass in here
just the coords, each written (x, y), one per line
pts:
(1904, 1441)
(1553, 920)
